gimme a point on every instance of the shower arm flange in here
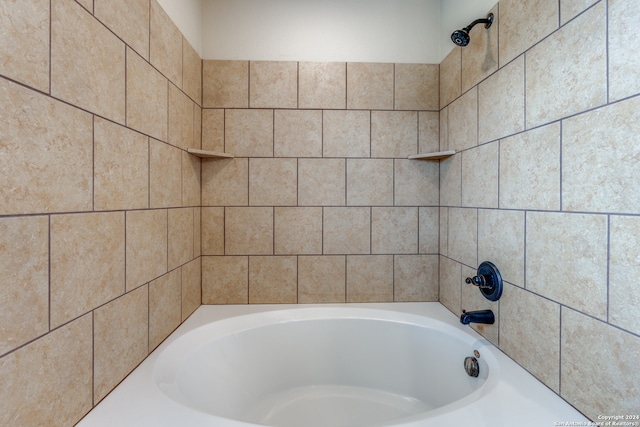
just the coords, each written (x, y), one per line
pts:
(486, 21)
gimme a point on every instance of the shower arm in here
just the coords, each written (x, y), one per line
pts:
(486, 21)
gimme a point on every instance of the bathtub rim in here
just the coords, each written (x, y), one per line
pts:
(167, 367)
(134, 403)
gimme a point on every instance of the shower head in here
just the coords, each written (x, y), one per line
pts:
(462, 38)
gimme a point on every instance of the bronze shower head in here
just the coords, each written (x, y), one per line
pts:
(462, 38)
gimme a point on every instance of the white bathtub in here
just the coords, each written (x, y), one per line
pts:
(328, 366)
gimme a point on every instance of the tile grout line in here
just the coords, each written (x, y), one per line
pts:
(49, 270)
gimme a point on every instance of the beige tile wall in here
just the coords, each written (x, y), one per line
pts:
(320, 203)
(100, 203)
(546, 187)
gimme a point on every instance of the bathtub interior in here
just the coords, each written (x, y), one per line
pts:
(318, 372)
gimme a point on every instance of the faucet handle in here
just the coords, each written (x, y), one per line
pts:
(476, 281)
(488, 280)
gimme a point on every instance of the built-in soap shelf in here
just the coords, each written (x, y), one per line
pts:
(206, 154)
(433, 156)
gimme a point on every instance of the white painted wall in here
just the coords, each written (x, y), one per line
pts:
(400, 31)
(322, 30)
(186, 14)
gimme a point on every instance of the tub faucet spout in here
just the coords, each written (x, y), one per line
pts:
(480, 316)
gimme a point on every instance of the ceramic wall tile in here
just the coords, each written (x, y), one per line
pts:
(417, 87)
(225, 182)
(569, 9)
(298, 230)
(24, 42)
(37, 135)
(416, 183)
(165, 44)
(530, 333)
(87, 4)
(120, 167)
(501, 102)
(147, 98)
(197, 231)
(443, 141)
(346, 133)
(225, 84)
(501, 241)
(273, 182)
(191, 72)
(450, 285)
(129, 20)
(370, 182)
(480, 56)
(81, 73)
(523, 24)
(212, 231)
(557, 89)
(565, 191)
(273, 280)
(165, 175)
(321, 279)
(451, 181)
(225, 280)
(530, 169)
(394, 134)
(480, 176)
(180, 238)
(273, 84)
(24, 287)
(346, 230)
(610, 370)
(624, 60)
(249, 133)
(87, 263)
(370, 278)
(370, 86)
(197, 126)
(180, 127)
(599, 167)
(428, 226)
(297, 133)
(415, 278)
(322, 85)
(463, 121)
(191, 287)
(213, 129)
(566, 256)
(165, 306)
(146, 251)
(463, 235)
(451, 77)
(444, 231)
(394, 230)
(428, 131)
(321, 182)
(191, 182)
(56, 368)
(121, 339)
(248, 230)
(624, 295)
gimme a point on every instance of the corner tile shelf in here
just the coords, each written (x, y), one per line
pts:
(433, 156)
(204, 154)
